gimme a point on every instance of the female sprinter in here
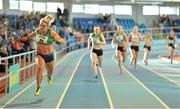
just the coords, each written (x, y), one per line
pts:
(45, 38)
(98, 40)
(120, 40)
(134, 38)
(147, 46)
(171, 42)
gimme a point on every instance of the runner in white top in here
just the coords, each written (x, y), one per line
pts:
(97, 40)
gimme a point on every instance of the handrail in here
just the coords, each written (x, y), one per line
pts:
(4, 77)
(17, 55)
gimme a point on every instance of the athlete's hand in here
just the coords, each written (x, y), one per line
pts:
(115, 44)
(89, 47)
(124, 48)
(24, 39)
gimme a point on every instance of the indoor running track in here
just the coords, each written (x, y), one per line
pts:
(154, 86)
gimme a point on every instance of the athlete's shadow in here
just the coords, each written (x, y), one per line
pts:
(24, 104)
(91, 80)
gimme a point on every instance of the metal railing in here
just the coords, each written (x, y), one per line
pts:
(26, 62)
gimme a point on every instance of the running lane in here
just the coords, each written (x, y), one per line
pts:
(85, 91)
(50, 94)
(126, 90)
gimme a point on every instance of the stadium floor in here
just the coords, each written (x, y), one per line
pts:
(154, 86)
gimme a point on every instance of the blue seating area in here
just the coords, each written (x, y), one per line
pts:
(126, 23)
(83, 24)
(177, 22)
(12, 20)
(166, 30)
(142, 28)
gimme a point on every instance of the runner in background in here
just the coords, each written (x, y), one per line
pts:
(97, 41)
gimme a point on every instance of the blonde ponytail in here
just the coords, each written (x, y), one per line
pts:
(48, 20)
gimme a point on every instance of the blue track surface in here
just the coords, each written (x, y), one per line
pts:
(154, 86)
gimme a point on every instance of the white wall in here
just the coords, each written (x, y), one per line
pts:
(136, 10)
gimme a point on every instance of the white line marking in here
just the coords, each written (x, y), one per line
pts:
(18, 94)
(147, 89)
(106, 90)
(69, 82)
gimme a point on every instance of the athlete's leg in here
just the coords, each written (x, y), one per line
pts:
(132, 56)
(50, 70)
(135, 59)
(118, 53)
(100, 60)
(146, 52)
(40, 65)
(123, 54)
(171, 50)
(94, 60)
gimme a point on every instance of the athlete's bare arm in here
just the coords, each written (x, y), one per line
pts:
(126, 39)
(89, 40)
(57, 37)
(103, 42)
(28, 37)
(113, 40)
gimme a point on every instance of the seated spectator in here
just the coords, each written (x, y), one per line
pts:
(101, 18)
(107, 18)
(59, 12)
(3, 53)
(16, 46)
(26, 43)
(174, 25)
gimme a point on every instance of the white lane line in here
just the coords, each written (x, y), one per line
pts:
(68, 84)
(147, 89)
(21, 92)
(162, 75)
(106, 90)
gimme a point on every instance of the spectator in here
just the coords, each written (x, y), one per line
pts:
(5, 32)
(66, 14)
(59, 12)
(16, 46)
(3, 53)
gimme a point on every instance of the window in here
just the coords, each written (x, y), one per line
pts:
(25, 5)
(77, 8)
(123, 9)
(39, 6)
(91, 9)
(1, 2)
(169, 10)
(52, 6)
(150, 10)
(105, 9)
(13, 4)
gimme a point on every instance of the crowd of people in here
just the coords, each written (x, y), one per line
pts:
(23, 25)
(166, 21)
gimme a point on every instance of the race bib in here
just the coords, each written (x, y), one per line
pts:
(42, 39)
(148, 42)
(96, 40)
(171, 41)
(119, 38)
(136, 39)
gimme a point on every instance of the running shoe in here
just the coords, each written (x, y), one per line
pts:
(37, 92)
(49, 81)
